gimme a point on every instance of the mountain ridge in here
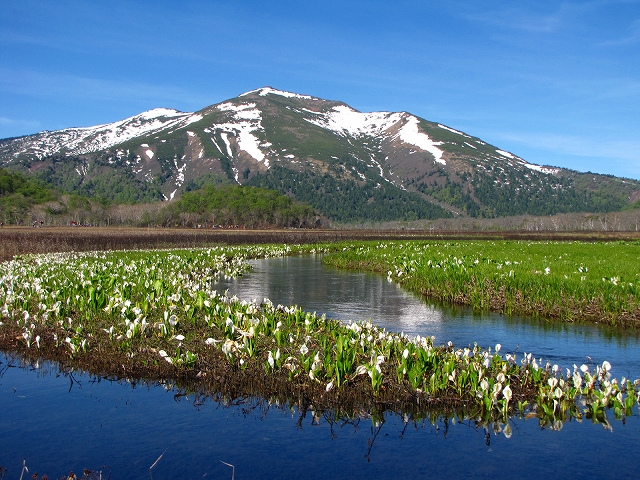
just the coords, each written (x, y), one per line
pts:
(405, 166)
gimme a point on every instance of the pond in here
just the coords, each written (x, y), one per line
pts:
(61, 421)
(349, 296)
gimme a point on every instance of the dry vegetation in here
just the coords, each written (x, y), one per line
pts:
(19, 240)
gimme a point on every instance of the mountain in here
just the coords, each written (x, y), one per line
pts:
(349, 165)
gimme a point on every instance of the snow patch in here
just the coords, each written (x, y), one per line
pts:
(454, 131)
(180, 176)
(250, 143)
(216, 144)
(289, 156)
(345, 120)
(149, 154)
(263, 92)
(247, 121)
(245, 111)
(225, 139)
(505, 154)
(84, 140)
(410, 133)
(160, 112)
(539, 168)
(469, 145)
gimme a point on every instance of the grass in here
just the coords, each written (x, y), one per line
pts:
(156, 315)
(571, 281)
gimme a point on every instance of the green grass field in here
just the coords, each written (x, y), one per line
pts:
(572, 281)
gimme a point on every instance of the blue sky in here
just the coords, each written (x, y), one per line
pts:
(556, 83)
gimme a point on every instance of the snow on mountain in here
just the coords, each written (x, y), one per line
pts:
(453, 130)
(540, 168)
(248, 121)
(343, 120)
(264, 91)
(236, 126)
(83, 140)
(410, 133)
(323, 152)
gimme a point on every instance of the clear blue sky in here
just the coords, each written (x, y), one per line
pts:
(556, 83)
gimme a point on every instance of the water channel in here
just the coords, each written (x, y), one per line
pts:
(58, 421)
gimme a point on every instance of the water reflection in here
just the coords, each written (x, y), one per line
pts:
(350, 296)
(59, 421)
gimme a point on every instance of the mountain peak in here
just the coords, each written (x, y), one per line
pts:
(264, 91)
(348, 164)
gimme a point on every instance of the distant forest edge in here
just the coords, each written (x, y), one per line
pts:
(343, 199)
(26, 200)
(311, 201)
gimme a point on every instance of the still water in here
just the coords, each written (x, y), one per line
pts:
(58, 422)
(306, 282)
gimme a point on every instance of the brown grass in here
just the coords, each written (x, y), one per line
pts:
(19, 240)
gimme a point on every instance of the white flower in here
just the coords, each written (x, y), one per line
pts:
(210, 341)
(270, 360)
(179, 337)
(164, 355)
(506, 393)
(229, 347)
(329, 386)
(606, 366)
(577, 379)
(498, 347)
(303, 349)
(547, 271)
(496, 389)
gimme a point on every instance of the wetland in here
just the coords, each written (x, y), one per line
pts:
(162, 321)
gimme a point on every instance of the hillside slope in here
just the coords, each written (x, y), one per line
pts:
(351, 166)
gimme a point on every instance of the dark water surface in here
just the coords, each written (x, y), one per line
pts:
(60, 422)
